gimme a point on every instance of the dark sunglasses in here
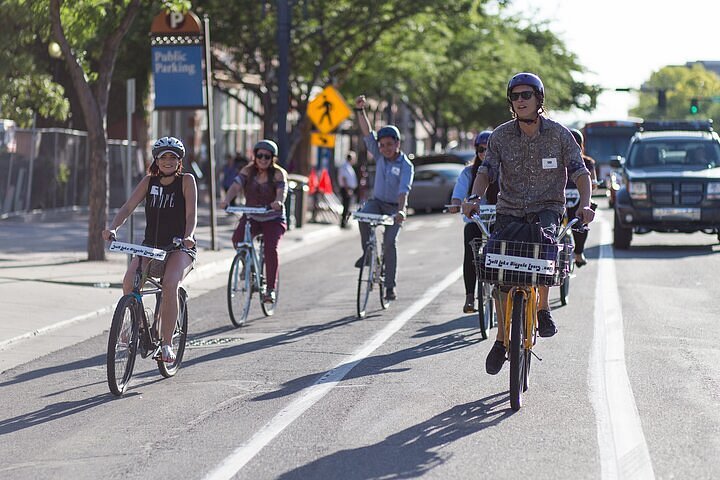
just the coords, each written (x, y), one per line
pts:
(526, 95)
(480, 149)
(263, 156)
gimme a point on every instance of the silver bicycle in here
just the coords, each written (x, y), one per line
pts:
(134, 326)
(247, 272)
(372, 270)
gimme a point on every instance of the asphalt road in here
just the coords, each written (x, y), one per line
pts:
(628, 388)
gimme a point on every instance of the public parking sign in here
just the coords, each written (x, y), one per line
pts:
(177, 61)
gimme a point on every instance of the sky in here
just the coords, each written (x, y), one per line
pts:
(622, 42)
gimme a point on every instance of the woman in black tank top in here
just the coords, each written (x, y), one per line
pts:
(170, 211)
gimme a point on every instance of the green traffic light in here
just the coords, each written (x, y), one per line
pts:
(694, 108)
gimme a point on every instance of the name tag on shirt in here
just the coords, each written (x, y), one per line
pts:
(548, 163)
(395, 170)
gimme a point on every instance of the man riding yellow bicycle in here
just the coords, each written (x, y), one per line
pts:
(531, 158)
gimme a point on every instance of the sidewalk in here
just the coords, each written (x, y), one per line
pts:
(52, 297)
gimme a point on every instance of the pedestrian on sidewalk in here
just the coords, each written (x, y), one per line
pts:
(347, 179)
(264, 183)
(170, 211)
(393, 181)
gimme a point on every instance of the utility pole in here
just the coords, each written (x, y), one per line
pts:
(283, 101)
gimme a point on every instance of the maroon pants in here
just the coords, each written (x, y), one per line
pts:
(272, 231)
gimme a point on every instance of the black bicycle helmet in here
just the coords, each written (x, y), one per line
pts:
(482, 137)
(530, 79)
(577, 134)
(389, 131)
(268, 145)
(168, 144)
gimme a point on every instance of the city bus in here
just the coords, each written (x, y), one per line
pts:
(607, 139)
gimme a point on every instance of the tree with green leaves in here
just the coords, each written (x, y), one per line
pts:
(453, 73)
(681, 85)
(328, 40)
(89, 34)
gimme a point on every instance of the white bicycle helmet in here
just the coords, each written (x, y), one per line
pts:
(268, 145)
(168, 144)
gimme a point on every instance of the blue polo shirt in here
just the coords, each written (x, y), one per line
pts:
(392, 177)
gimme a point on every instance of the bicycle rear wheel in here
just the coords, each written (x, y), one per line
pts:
(239, 288)
(517, 351)
(380, 280)
(122, 344)
(179, 337)
(365, 281)
(565, 291)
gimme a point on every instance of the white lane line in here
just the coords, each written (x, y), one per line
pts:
(243, 454)
(621, 442)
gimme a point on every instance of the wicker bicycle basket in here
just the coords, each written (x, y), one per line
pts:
(505, 262)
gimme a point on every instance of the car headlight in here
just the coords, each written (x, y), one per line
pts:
(713, 191)
(638, 190)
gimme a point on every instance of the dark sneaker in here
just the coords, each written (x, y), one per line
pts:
(546, 326)
(580, 260)
(495, 359)
(390, 294)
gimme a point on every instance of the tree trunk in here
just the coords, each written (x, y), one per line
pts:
(99, 193)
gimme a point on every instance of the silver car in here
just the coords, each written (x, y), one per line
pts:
(433, 185)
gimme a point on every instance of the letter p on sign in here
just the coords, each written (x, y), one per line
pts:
(176, 19)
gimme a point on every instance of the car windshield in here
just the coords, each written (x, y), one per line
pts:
(693, 154)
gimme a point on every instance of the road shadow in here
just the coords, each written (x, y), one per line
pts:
(96, 361)
(411, 452)
(383, 364)
(52, 412)
(665, 252)
(271, 342)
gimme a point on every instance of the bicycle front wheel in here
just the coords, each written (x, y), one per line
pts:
(239, 288)
(122, 344)
(179, 337)
(517, 351)
(365, 281)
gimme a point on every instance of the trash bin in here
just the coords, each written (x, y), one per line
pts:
(296, 202)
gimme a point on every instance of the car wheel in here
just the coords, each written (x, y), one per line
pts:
(622, 236)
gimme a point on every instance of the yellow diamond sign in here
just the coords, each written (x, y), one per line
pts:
(328, 110)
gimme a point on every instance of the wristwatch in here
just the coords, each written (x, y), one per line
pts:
(472, 197)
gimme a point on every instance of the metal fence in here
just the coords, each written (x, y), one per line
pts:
(49, 169)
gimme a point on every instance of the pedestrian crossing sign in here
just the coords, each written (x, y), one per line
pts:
(328, 110)
(325, 140)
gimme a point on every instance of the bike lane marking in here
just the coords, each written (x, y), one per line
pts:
(621, 441)
(232, 464)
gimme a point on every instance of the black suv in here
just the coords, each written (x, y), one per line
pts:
(671, 181)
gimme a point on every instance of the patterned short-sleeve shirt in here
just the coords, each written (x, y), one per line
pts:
(532, 171)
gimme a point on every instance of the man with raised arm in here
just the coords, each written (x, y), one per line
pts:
(393, 180)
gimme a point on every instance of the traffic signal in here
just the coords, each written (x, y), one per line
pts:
(694, 108)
